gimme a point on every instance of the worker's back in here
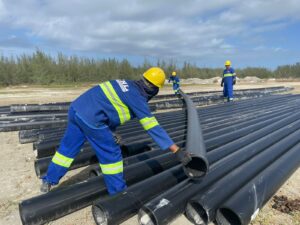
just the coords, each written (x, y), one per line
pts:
(95, 105)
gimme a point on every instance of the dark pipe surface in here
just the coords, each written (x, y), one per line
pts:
(207, 202)
(179, 195)
(87, 157)
(118, 208)
(198, 166)
(62, 201)
(258, 191)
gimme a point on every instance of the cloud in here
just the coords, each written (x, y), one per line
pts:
(194, 29)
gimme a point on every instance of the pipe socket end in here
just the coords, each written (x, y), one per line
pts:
(37, 169)
(196, 168)
(99, 215)
(196, 214)
(226, 216)
(94, 173)
(144, 218)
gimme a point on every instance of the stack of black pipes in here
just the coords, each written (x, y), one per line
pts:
(246, 141)
(173, 122)
(34, 116)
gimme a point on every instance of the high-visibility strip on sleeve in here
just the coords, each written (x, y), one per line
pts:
(114, 99)
(112, 168)
(62, 160)
(149, 122)
(228, 75)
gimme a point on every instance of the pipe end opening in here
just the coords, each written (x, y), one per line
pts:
(226, 216)
(196, 168)
(37, 169)
(196, 213)
(22, 215)
(99, 215)
(93, 173)
(146, 218)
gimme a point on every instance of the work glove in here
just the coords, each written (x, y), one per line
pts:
(183, 156)
(117, 138)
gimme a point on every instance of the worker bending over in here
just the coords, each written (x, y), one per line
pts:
(228, 80)
(96, 114)
(176, 82)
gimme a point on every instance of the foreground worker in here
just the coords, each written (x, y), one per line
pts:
(176, 82)
(228, 80)
(94, 116)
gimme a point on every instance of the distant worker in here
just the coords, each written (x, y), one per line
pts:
(94, 116)
(176, 82)
(228, 80)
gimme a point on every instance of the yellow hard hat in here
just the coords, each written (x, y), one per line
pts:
(227, 63)
(155, 76)
(173, 73)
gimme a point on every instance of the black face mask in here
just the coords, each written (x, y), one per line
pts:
(147, 90)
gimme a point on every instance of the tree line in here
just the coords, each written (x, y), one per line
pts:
(40, 68)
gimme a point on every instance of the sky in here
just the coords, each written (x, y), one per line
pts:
(252, 33)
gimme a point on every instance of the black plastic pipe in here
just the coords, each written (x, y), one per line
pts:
(203, 112)
(88, 157)
(133, 125)
(57, 203)
(221, 140)
(118, 208)
(31, 125)
(96, 171)
(46, 149)
(258, 191)
(75, 196)
(205, 100)
(198, 166)
(193, 94)
(167, 118)
(64, 106)
(179, 195)
(235, 135)
(201, 209)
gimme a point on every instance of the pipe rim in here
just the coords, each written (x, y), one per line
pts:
(37, 169)
(226, 216)
(196, 213)
(93, 173)
(196, 168)
(100, 215)
(21, 213)
(145, 217)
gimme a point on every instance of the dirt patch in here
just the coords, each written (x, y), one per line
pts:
(283, 204)
(270, 216)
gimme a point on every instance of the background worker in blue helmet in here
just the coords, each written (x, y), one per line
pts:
(228, 80)
(176, 82)
(94, 116)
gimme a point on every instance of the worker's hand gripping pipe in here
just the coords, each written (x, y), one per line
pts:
(198, 166)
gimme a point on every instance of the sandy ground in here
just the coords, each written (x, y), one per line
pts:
(18, 180)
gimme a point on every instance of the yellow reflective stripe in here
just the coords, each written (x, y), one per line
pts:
(114, 99)
(149, 122)
(62, 160)
(113, 168)
(228, 75)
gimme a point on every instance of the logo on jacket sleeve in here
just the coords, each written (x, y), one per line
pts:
(123, 85)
